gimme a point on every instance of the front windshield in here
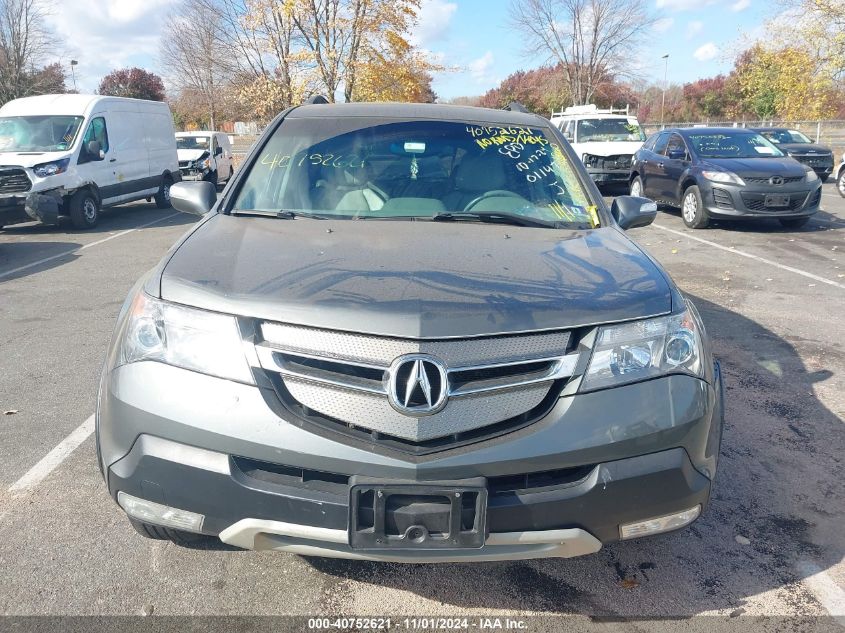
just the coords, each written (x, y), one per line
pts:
(732, 145)
(193, 142)
(53, 133)
(609, 130)
(785, 136)
(358, 168)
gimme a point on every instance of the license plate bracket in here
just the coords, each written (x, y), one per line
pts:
(442, 515)
(777, 200)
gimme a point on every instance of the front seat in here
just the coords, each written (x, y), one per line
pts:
(475, 176)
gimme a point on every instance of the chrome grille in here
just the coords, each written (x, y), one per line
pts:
(345, 376)
(14, 181)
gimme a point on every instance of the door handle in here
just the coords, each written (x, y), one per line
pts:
(112, 160)
(660, 165)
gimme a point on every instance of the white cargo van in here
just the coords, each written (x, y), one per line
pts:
(205, 156)
(604, 140)
(71, 155)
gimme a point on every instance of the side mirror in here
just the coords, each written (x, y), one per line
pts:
(195, 198)
(676, 154)
(218, 151)
(94, 150)
(630, 212)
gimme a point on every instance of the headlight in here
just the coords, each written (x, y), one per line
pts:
(589, 160)
(206, 342)
(51, 169)
(812, 176)
(646, 349)
(723, 176)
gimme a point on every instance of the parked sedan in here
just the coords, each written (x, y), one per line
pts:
(801, 148)
(724, 173)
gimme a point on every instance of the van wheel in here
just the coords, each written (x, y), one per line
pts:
(162, 198)
(160, 533)
(84, 209)
(212, 177)
(692, 209)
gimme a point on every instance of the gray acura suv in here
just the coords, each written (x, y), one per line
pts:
(411, 333)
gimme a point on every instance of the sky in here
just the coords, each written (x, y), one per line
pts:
(701, 37)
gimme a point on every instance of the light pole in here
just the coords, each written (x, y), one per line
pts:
(73, 63)
(665, 76)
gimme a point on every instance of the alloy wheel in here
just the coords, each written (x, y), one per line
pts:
(690, 208)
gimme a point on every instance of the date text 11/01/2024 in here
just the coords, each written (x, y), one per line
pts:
(417, 624)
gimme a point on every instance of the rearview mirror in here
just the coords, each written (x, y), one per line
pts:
(631, 212)
(196, 198)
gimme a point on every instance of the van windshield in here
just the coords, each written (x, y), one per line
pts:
(369, 167)
(609, 130)
(193, 142)
(51, 133)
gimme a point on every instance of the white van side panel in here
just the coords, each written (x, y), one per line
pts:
(161, 142)
(131, 168)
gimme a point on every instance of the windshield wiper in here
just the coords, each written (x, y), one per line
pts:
(282, 215)
(498, 218)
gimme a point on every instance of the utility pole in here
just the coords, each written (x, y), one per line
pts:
(73, 63)
(665, 58)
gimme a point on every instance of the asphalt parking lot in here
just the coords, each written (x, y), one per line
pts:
(771, 543)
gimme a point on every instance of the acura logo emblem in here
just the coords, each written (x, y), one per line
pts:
(417, 385)
(776, 180)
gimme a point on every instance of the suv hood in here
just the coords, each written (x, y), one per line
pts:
(758, 167)
(414, 279)
(800, 149)
(607, 148)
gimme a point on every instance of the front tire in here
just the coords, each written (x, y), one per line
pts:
(794, 223)
(84, 209)
(840, 183)
(212, 177)
(162, 197)
(637, 187)
(692, 209)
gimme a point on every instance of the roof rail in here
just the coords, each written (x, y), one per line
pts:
(516, 106)
(591, 109)
(315, 99)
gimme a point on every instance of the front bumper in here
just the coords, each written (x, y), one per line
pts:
(609, 176)
(724, 200)
(194, 175)
(229, 457)
(43, 207)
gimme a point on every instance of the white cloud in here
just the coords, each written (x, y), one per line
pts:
(694, 28)
(706, 52)
(740, 5)
(433, 20)
(663, 24)
(107, 34)
(480, 68)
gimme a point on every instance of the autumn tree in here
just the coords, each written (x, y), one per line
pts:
(395, 72)
(135, 83)
(25, 42)
(190, 49)
(783, 83)
(586, 37)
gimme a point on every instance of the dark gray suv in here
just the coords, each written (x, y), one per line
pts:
(413, 333)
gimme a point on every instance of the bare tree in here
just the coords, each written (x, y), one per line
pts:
(24, 42)
(191, 51)
(591, 39)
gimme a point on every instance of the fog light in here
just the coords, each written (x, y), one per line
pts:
(659, 524)
(151, 512)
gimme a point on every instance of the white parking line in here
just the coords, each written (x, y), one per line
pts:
(731, 249)
(827, 592)
(82, 248)
(51, 460)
